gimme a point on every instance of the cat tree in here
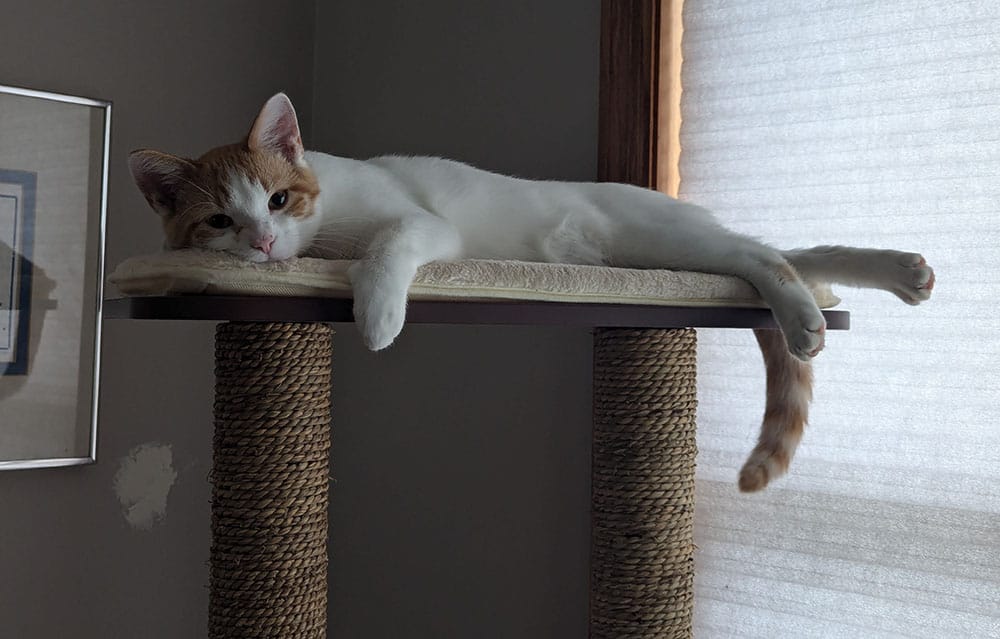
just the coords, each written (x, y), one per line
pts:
(642, 483)
(270, 474)
(272, 437)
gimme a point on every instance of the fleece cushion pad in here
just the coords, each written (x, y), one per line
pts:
(192, 271)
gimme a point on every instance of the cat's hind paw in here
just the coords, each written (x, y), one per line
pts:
(805, 335)
(913, 278)
(808, 342)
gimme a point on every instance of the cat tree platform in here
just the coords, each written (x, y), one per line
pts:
(268, 567)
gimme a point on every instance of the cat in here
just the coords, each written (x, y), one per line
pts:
(267, 198)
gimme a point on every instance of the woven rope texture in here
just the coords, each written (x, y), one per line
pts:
(270, 481)
(642, 554)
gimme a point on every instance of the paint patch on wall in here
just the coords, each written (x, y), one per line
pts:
(143, 482)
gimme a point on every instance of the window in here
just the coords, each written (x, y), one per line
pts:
(876, 124)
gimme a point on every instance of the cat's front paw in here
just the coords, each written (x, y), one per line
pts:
(380, 322)
(379, 308)
(912, 278)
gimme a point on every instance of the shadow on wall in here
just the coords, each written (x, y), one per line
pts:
(25, 296)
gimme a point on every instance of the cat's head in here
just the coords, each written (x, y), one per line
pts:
(256, 199)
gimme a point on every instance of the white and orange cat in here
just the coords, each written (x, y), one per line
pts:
(266, 198)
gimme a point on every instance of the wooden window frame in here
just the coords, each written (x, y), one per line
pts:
(640, 93)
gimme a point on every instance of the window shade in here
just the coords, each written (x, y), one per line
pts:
(869, 124)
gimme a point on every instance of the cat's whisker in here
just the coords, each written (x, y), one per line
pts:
(331, 228)
(197, 186)
(338, 237)
(334, 224)
(196, 207)
(336, 246)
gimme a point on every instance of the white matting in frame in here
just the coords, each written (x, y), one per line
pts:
(53, 194)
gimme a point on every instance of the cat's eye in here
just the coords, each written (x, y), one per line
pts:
(278, 200)
(220, 221)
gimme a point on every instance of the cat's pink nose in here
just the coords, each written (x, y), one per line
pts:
(264, 244)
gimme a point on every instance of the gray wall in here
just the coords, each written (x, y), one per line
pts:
(183, 75)
(507, 86)
(460, 506)
(462, 455)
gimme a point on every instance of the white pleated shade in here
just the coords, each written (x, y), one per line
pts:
(872, 124)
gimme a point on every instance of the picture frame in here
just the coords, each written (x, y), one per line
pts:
(54, 152)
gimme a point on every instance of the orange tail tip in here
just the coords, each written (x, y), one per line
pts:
(789, 391)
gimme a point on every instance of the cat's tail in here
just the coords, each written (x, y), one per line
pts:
(789, 391)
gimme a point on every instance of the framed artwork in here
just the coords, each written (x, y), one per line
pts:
(53, 196)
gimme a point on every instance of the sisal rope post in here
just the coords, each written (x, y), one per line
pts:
(642, 552)
(271, 458)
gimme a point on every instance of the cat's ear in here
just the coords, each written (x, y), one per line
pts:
(160, 177)
(276, 129)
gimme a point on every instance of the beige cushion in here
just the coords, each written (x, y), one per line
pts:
(209, 272)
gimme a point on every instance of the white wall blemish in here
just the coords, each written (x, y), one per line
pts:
(143, 482)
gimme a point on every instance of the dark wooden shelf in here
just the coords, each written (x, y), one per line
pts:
(499, 312)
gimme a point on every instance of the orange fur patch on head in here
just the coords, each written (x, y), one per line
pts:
(277, 174)
(271, 170)
(205, 191)
(201, 195)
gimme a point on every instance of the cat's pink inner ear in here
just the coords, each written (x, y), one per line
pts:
(276, 129)
(159, 176)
